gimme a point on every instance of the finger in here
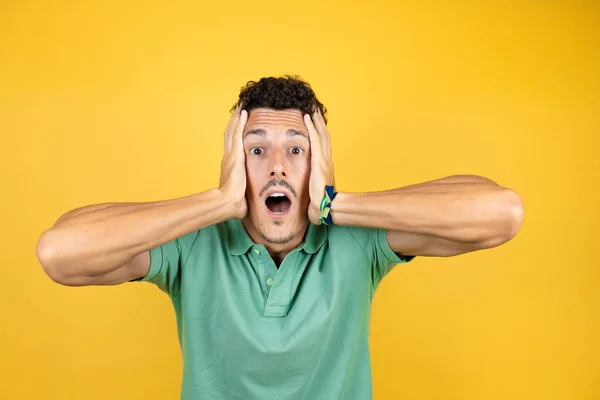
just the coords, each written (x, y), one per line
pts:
(235, 115)
(319, 122)
(315, 141)
(233, 122)
(227, 131)
(238, 141)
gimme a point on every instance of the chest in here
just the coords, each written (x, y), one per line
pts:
(247, 301)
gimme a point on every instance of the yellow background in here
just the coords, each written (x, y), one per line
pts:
(127, 101)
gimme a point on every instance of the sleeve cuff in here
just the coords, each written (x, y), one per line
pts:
(387, 250)
(156, 257)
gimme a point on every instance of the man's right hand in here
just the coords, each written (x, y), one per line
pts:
(233, 166)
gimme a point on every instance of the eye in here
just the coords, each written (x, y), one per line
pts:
(296, 150)
(257, 151)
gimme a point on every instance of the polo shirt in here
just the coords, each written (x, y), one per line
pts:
(249, 330)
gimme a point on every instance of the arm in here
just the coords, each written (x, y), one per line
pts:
(107, 244)
(444, 217)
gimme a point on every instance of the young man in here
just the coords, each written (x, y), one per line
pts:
(272, 274)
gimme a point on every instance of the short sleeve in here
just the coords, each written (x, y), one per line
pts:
(381, 257)
(384, 258)
(166, 262)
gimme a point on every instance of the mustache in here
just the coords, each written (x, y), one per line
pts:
(280, 183)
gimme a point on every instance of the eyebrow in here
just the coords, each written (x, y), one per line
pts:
(289, 133)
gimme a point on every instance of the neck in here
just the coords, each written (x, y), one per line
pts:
(277, 251)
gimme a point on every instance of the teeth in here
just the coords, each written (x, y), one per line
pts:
(277, 195)
(281, 212)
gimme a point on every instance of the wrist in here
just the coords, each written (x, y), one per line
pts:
(325, 216)
(231, 206)
(339, 208)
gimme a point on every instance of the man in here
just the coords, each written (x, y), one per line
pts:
(272, 274)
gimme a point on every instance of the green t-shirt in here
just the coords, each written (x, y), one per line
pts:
(249, 330)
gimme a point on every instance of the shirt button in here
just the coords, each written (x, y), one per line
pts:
(269, 281)
(256, 251)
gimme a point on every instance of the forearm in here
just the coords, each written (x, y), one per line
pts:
(453, 208)
(96, 240)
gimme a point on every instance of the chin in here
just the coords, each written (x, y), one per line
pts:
(278, 228)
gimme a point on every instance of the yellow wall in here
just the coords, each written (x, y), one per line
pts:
(127, 101)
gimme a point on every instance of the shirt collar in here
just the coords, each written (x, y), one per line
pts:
(239, 241)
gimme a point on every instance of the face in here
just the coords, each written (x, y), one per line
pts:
(278, 170)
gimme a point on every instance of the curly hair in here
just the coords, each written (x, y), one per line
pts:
(280, 94)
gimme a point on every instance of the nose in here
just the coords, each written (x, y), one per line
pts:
(277, 168)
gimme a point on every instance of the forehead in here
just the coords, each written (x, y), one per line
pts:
(275, 120)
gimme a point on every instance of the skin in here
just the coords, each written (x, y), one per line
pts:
(444, 217)
(277, 160)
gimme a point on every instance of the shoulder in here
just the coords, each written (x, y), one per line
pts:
(351, 236)
(373, 241)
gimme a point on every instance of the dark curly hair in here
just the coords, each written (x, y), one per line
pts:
(280, 94)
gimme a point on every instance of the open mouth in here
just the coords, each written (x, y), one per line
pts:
(278, 203)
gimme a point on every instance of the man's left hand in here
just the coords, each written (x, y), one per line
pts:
(321, 163)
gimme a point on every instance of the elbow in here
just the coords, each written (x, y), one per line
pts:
(44, 255)
(515, 214)
(512, 218)
(507, 223)
(47, 256)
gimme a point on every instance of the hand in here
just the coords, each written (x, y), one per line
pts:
(321, 163)
(233, 166)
